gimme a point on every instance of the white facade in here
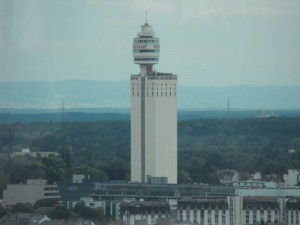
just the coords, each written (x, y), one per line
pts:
(292, 178)
(246, 209)
(91, 203)
(145, 213)
(26, 151)
(255, 184)
(153, 114)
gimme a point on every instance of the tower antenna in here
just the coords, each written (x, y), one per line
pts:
(146, 16)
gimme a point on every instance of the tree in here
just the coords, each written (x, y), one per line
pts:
(54, 168)
(117, 169)
(4, 179)
(98, 175)
(3, 212)
(216, 160)
(204, 174)
(23, 173)
(184, 177)
(46, 202)
(22, 208)
(59, 212)
(86, 212)
(66, 156)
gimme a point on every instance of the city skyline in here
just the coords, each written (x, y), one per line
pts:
(207, 43)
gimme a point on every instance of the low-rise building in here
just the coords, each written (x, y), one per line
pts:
(258, 210)
(72, 189)
(255, 184)
(292, 211)
(28, 152)
(227, 177)
(30, 192)
(292, 178)
(144, 212)
(92, 203)
(206, 210)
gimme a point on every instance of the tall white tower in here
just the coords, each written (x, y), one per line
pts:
(153, 113)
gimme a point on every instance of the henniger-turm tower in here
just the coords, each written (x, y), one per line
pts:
(153, 114)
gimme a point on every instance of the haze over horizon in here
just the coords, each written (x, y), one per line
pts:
(93, 94)
(207, 43)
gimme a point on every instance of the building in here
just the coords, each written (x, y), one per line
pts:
(212, 210)
(137, 204)
(227, 177)
(144, 212)
(292, 178)
(258, 209)
(155, 192)
(255, 184)
(27, 152)
(30, 192)
(292, 211)
(73, 189)
(91, 203)
(153, 113)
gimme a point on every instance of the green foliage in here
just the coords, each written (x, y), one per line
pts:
(46, 202)
(184, 177)
(22, 208)
(102, 149)
(54, 168)
(204, 174)
(4, 179)
(3, 211)
(86, 212)
(59, 212)
(97, 174)
(23, 173)
(117, 169)
(66, 157)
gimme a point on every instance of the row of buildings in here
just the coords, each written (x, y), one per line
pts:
(136, 203)
(28, 152)
(234, 178)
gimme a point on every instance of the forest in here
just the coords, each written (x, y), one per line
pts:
(102, 149)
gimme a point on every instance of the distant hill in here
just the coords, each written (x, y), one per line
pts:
(109, 94)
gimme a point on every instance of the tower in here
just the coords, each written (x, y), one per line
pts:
(153, 113)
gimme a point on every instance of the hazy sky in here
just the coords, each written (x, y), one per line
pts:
(204, 42)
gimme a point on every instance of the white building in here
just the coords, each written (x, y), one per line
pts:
(26, 151)
(206, 211)
(257, 176)
(255, 184)
(91, 203)
(273, 205)
(153, 113)
(145, 212)
(227, 177)
(292, 178)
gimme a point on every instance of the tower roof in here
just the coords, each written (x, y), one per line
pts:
(146, 31)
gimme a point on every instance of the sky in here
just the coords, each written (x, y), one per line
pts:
(204, 42)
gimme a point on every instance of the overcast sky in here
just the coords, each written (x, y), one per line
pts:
(215, 43)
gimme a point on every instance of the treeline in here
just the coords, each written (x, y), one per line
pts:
(102, 149)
